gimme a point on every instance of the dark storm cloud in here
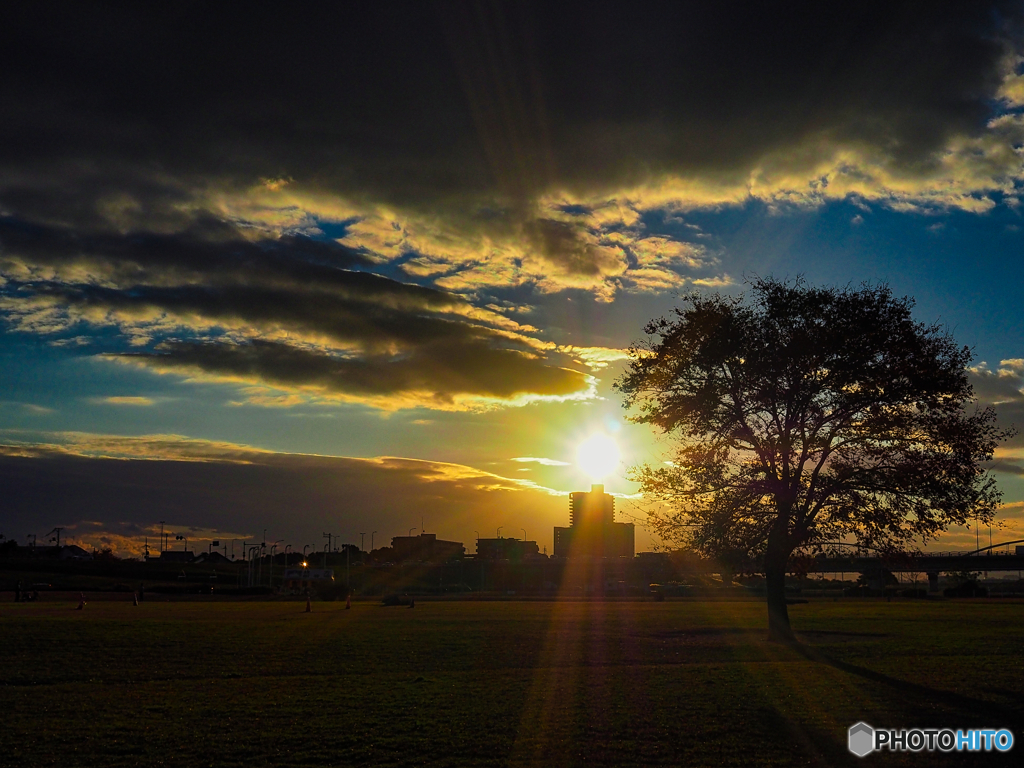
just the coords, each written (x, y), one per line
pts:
(121, 487)
(156, 162)
(396, 338)
(440, 370)
(292, 280)
(560, 244)
(208, 252)
(425, 105)
(1003, 389)
(1006, 466)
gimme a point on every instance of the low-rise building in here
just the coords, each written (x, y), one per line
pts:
(426, 548)
(506, 549)
(300, 579)
(176, 556)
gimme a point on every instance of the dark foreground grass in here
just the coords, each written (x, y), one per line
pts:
(461, 684)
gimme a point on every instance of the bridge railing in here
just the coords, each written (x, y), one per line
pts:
(951, 553)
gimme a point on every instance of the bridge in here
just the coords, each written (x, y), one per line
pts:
(986, 559)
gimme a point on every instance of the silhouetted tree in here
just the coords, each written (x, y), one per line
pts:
(105, 555)
(801, 415)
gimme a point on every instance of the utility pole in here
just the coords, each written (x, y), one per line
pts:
(362, 541)
(57, 531)
(327, 536)
(371, 540)
(161, 537)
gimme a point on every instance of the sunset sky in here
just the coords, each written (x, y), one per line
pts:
(376, 269)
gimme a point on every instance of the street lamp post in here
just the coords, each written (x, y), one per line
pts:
(499, 530)
(371, 541)
(272, 548)
(414, 528)
(524, 533)
(252, 563)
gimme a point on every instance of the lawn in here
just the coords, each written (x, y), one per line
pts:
(498, 683)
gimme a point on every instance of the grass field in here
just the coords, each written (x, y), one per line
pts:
(498, 683)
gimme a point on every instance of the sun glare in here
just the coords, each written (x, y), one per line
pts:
(598, 456)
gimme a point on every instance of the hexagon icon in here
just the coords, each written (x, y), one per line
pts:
(861, 739)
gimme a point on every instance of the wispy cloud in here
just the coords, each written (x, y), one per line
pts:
(32, 408)
(545, 462)
(134, 400)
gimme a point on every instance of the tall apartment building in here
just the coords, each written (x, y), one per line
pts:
(592, 530)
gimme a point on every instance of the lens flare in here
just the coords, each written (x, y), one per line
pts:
(598, 456)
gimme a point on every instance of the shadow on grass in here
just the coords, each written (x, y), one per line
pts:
(813, 746)
(835, 634)
(701, 632)
(971, 707)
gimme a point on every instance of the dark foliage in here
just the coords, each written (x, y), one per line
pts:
(800, 416)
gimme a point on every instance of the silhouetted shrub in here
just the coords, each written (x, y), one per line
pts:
(331, 590)
(968, 589)
(912, 592)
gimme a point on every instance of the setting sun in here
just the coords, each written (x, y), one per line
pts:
(598, 456)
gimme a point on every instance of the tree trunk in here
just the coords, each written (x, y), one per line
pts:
(775, 559)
